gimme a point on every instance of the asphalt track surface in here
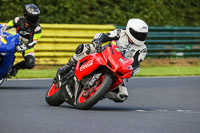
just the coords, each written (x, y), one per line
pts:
(155, 105)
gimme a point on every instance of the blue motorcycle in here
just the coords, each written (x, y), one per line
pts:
(8, 43)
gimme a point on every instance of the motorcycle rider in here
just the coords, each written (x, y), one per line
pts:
(131, 44)
(30, 30)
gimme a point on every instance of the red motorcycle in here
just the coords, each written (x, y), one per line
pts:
(93, 77)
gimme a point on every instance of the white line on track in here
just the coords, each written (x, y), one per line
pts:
(164, 110)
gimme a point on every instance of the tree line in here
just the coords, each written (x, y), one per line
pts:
(154, 12)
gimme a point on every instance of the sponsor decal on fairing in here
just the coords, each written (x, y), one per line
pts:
(88, 64)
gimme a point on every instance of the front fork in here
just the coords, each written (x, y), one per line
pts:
(91, 84)
(73, 95)
(69, 85)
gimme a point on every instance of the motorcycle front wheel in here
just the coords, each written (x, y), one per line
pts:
(1, 81)
(101, 89)
(52, 96)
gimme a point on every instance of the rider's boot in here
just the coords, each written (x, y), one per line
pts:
(65, 69)
(28, 63)
(120, 94)
(15, 69)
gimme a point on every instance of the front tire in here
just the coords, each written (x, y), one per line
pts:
(1, 81)
(52, 96)
(104, 84)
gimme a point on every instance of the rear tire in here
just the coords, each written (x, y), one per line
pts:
(52, 96)
(102, 89)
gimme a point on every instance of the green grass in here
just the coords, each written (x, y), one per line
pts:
(144, 71)
(36, 73)
(170, 71)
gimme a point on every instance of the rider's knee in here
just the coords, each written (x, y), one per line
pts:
(120, 94)
(79, 49)
(29, 61)
(83, 49)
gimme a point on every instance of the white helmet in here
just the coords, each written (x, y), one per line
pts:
(137, 30)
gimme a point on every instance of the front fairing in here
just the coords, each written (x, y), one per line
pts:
(120, 65)
(8, 42)
(111, 57)
(7, 51)
(88, 64)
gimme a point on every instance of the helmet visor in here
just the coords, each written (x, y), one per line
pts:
(32, 19)
(138, 35)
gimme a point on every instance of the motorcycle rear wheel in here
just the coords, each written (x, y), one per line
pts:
(52, 96)
(104, 84)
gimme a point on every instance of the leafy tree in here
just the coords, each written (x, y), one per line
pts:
(154, 12)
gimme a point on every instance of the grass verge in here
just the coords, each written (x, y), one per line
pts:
(144, 71)
(170, 71)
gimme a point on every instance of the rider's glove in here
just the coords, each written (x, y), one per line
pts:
(97, 44)
(3, 28)
(21, 48)
(136, 64)
(136, 70)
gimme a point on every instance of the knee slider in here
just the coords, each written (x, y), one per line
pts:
(29, 61)
(79, 49)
